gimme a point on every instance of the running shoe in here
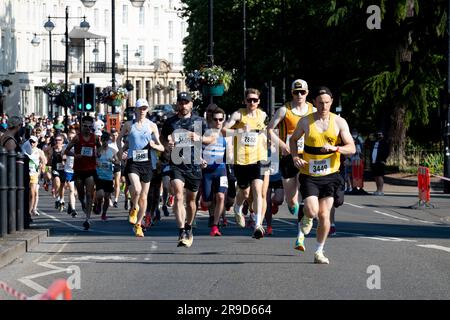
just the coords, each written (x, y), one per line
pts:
(97, 209)
(138, 230)
(61, 206)
(147, 221)
(300, 244)
(57, 204)
(157, 215)
(332, 231)
(132, 216)
(245, 208)
(224, 222)
(320, 258)
(269, 231)
(306, 224)
(103, 217)
(274, 208)
(115, 204)
(251, 221)
(165, 211)
(45, 186)
(182, 239)
(170, 201)
(86, 225)
(73, 213)
(240, 219)
(189, 238)
(294, 210)
(126, 204)
(259, 232)
(69, 209)
(215, 232)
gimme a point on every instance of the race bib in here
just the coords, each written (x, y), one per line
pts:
(249, 139)
(320, 167)
(140, 155)
(87, 151)
(182, 139)
(224, 182)
(105, 165)
(69, 162)
(59, 166)
(300, 143)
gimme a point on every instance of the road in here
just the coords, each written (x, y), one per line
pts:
(382, 250)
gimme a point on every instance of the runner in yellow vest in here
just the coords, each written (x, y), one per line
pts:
(319, 168)
(250, 156)
(285, 120)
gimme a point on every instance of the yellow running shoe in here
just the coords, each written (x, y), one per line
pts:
(138, 230)
(132, 216)
(300, 244)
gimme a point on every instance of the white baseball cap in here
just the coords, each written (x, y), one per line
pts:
(141, 102)
(299, 84)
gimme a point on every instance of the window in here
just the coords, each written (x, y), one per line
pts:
(156, 16)
(171, 58)
(148, 91)
(138, 89)
(125, 53)
(142, 55)
(155, 52)
(170, 30)
(107, 17)
(95, 18)
(141, 16)
(125, 14)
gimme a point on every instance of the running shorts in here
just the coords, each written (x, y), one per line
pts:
(142, 169)
(245, 174)
(321, 187)
(287, 167)
(191, 178)
(105, 185)
(213, 182)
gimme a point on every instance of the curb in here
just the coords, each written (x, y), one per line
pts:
(15, 245)
(411, 183)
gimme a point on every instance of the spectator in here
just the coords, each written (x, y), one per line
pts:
(379, 152)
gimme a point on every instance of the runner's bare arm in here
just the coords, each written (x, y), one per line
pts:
(296, 135)
(349, 147)
(235, 117)
(156, 144)
(71, 144)
(277, 118)
(122, 133)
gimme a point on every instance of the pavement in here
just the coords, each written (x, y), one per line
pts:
(14, 246)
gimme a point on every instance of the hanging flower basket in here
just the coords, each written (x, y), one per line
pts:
(53, 89)
(211, 81)
(65, 99)
(213, 90)
(113, 97)
(116, 103)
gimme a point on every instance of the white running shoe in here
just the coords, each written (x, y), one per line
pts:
(240, 219)
(306, 225)
(320, 258)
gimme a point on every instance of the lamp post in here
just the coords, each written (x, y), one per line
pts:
(128, 84)
(49, 26)
(210, 38)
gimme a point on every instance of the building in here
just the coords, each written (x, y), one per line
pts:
(151, 36)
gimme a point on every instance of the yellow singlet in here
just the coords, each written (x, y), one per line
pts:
(320, 164)
(250, 147)
(289, 123)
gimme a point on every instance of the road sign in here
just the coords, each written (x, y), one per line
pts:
(112, 121)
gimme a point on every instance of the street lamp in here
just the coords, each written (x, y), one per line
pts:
(128, 85)
(91, 3)
(49, 26)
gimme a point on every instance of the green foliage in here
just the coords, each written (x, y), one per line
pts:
(435, 162)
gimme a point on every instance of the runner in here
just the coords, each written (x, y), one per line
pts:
(84, 165)
(57, 169)
(69, 159)
(250, 145)
(214, 173)
(143, 140)
(106, 158)
(319, 167)
(286, 119)
(117, 167)
(182, 136)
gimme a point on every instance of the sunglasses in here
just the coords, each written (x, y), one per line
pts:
(218, 119)
(58, 139)
(252, 100)
(299, 91)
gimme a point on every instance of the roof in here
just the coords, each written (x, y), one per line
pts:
(77, 33)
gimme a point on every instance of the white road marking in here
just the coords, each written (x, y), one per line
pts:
(433, 246)
(353, 205)
(287, 222)
(33, 285)
(389, 239)
(101, 258)
(390, 215)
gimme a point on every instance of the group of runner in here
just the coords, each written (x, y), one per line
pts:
(245, 162)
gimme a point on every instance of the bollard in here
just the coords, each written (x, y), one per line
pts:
(12, 189)
(20, 192)
(3, 194)
(423, 184)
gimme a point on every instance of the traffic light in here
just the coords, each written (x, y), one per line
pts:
(79, 98)
(89, 97)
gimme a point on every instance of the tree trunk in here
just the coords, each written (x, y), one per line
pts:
(397, 136)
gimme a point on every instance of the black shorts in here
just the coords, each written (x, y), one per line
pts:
(321, 187)
(60, 174)
(117, 168)
(156, 178)
(83, 175)
(287, 167)
(142, 169)
(245, 174)
(105, 185)
(231, 193)
(377, 169)
(277, 184)
(191, 177)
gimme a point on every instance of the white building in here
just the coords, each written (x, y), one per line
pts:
(155, 31)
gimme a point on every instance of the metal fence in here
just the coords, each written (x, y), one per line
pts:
(12, 192)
